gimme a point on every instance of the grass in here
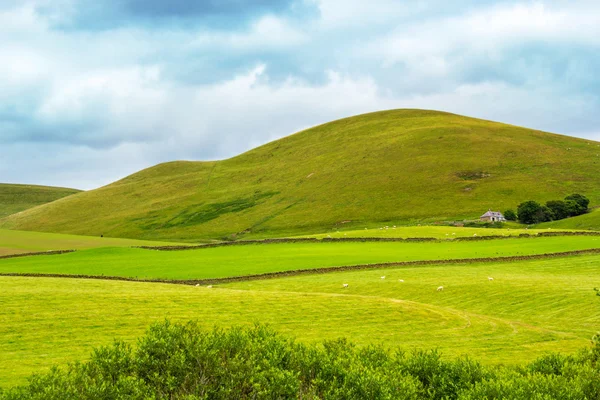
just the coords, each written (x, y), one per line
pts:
(399, 166)
(17, 198)
(590, 221)
(230, 261)
(15, 242)
(438, 232)
(530, 308)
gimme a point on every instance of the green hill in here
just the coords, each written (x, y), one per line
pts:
(16, 198)
(399, 166)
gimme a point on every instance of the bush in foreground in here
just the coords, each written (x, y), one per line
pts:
(174, 361)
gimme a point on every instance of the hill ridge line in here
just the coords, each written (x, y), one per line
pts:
(313, 271)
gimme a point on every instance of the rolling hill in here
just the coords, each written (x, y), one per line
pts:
(400, 166)
(16, 198)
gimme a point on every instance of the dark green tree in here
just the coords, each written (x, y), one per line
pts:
(559, 208)
(532, 212)
(582, 201)
(510, 215)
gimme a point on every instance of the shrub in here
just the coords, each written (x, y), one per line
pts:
(177, 361)
(510, 215)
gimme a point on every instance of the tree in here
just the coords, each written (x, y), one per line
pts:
(510, 215)
(560, 209)
(532, 212)
(581, 200)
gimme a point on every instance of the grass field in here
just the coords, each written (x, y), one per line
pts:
(397, 166)
(229, 261)
(528, 309)
(16, 198)
(15, 242)
(438, 232)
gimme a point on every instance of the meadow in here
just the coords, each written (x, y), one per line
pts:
(530, 308)
(15, 242)
(431, 231)
(241, 260)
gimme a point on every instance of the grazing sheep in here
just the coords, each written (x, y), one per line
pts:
(474, 234)
(345, 285)
(383, 277)
(490, 278)
(453, 233)
(209, 287)
(439, 289)
(401, 280)
(197, 284)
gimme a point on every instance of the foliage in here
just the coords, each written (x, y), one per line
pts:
(582, 201)
(177, 361)
(532, 212)
(510, 215)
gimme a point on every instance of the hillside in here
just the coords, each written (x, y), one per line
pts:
(399, 166)
(16, 198)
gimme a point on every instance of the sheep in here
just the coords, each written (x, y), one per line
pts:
(209, 287)
(401, 280)
(474, 234)
(383, 277)
(490, 278)
(345, 285)
(453, 233)
(197, 284)
(439, 289)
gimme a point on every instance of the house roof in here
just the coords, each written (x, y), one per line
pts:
(492, 214)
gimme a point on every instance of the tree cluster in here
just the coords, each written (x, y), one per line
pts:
(532, 212)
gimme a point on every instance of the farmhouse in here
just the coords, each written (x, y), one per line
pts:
(492, 216)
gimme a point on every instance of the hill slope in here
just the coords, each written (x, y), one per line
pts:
(16, 198)
(397, 165)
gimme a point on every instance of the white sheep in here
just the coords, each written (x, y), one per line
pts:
(197, 284)
(474, 234)
(383, 277)
(401, 280)
(439, 289)
(345, 285)
(490, 278)
(209, 287)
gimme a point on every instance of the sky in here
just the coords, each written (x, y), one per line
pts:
(94, 90)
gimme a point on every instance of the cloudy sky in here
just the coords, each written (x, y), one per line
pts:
(93, 90)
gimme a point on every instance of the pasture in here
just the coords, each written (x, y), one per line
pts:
(16, 242)
(530, 308)
(240, 260)
(388, 230)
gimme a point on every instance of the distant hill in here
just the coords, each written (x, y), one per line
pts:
(16, 198)
(400, 166)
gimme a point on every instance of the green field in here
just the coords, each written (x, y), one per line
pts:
(16, 198)
(230, 261)
(15, 242)
(399, 166)
(437, 232)
(530, 308)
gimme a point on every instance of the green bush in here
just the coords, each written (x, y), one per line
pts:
(176, 361)
(510, 215)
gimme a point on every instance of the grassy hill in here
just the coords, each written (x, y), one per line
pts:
(16, 198)
(396, 166)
